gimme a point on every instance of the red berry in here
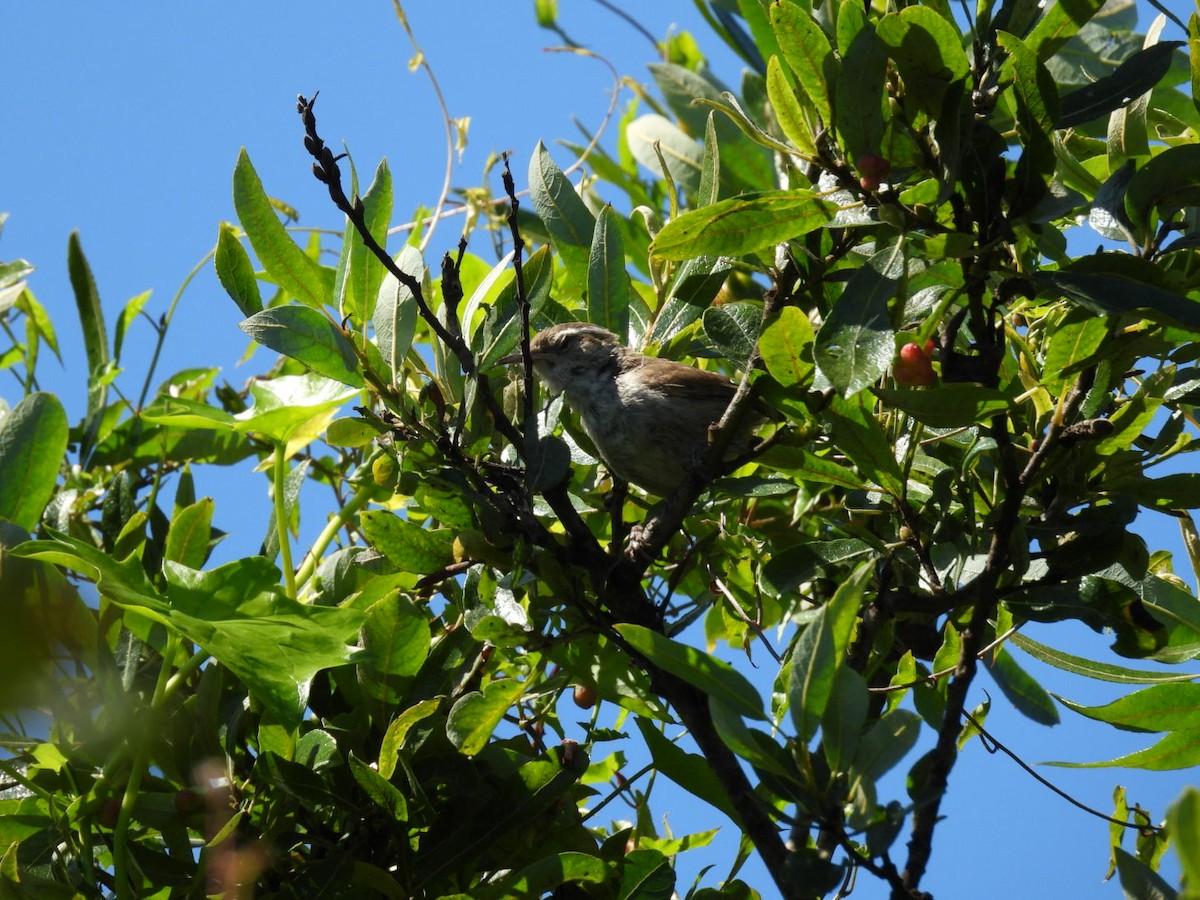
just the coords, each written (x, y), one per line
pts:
(109, 812)
(585, 697)
(869, 182)
(188, 802)
(873, 165)
(912, 367)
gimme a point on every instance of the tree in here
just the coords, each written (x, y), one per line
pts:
(871, 236)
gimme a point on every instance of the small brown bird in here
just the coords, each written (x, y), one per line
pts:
(649, 418)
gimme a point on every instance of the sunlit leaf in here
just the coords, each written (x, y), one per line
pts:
(287, 264)
(308, 336)
(742, 225)
(475, 716)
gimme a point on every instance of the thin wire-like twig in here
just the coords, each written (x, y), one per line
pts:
(1146, 829)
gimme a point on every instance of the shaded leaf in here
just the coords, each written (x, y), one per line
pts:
(690, 771)
(713, 676)
(1022, 690)
(733, 329)
(1091, 668)
(236, 272)
(607, 281)
(820, 652)
(950, 405)
(190, 536)
(33, 444)
(1134, 77)
(855, 343)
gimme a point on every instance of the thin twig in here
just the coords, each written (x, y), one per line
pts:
(1144, 830)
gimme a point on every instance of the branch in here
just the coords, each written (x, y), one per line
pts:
(326, 170)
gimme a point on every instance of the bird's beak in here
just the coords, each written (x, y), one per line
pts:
(510, 359)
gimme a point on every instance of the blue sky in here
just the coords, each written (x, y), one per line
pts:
(125, 125)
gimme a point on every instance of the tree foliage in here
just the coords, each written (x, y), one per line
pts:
(871, 235)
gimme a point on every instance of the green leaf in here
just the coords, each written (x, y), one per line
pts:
(710, 169)
(1100, 671)
(1106, 294)
(1072, 346)
(845, 714)
(287, 264)
(683, 155)
(395, 637)
(807, 52)
(1183, 824)
(1138, 880)
(33, 443)
(236, 272)
(1059, 22)
(608, 283)
(788, 111)
(539, 785)
(237, 613)
(690, 94)
(566, 217)
(398, 729)
(291, 409)
(820, 652)
(733, 329)
(1167, 183)
(1178, 750)
(129, 313)
(359, 273)
(927, 50)
(695, 286)
(91, 320)
(690, 771)
(742, 225)
(715, 677)
(381, 791)
(786, 346)
(858, 434)
(540, 878)
(1134, 77)
(190, 536)
(408, 546)
(308, 336)
(885, 744)
(475, 716)
(950, 405)
(395, 312)
(858, 106)
(855, 344)
(353, 432)
(1163, 707)
(1022, 690)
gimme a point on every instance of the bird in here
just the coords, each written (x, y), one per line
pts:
(649, 418)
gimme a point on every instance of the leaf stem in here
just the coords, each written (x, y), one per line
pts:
(279, 480)
(360, 498)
